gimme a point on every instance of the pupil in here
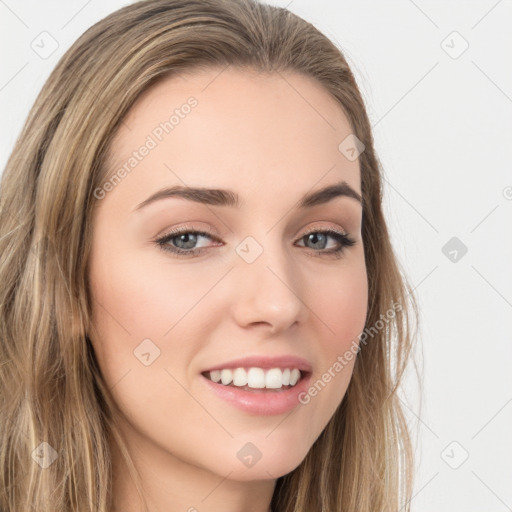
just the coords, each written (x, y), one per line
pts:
(187, 238)
(315, 237)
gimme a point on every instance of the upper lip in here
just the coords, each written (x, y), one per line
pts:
(285, 361)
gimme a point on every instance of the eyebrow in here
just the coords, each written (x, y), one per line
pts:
(223, 197)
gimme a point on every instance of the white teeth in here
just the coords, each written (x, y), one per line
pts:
(294, 377)
(215, 375)
(274, 379)
(240, 377)
(226, 376)
(257, 378)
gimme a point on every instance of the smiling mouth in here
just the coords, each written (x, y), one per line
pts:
(257, 379)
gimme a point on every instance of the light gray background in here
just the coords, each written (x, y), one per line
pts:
(442, 121)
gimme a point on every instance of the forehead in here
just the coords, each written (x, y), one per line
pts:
(234, 128)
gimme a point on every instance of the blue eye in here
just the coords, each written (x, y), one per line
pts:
(319, 238)
(183, 243)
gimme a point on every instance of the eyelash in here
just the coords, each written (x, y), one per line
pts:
(342, 238)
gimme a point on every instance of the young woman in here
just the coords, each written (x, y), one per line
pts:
(200, 307)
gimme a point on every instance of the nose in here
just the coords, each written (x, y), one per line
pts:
(269, 292)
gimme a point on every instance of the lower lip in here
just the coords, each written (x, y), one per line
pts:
(260, 401)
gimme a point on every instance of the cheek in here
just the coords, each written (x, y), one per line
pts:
(135, 301)
(343, 306)
(143, 299)
(341, 317)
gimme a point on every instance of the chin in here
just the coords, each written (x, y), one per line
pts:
(264, 470)
(265, 464)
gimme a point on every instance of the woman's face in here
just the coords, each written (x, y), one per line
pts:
(254, 285)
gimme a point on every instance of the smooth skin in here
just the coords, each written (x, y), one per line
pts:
(271, 138)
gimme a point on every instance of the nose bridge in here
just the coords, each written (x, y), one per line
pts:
(269, 287)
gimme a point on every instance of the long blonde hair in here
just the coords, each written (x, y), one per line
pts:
(51, 389)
